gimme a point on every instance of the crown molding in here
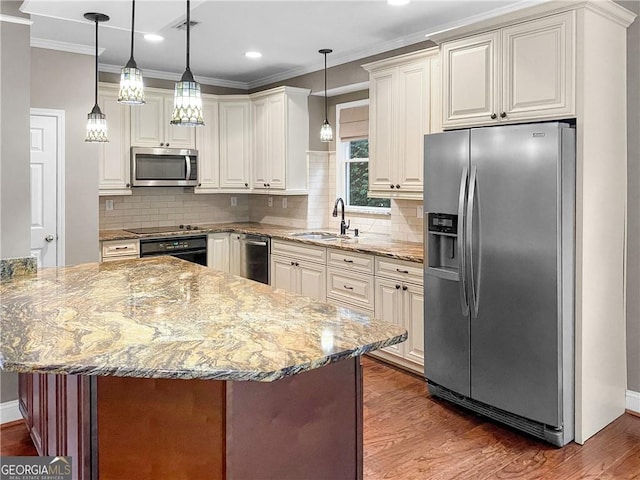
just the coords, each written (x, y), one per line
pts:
(161, 75)
(13, 19)
(65, 46)
(354, 87)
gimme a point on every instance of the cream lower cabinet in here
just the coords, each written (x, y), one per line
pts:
(234, 253)
(399, 299)
(350, 280)
(218, 251)
(111, 250)
(113, 156)
(404, 105)
(518, 73)
(299, 268)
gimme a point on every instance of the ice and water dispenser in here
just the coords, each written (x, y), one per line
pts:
(442, 246)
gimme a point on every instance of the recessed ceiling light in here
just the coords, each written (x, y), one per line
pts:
(398, 2)
(152, 37)
(252, 54)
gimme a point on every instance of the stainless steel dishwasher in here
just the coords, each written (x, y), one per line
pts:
(254, 257)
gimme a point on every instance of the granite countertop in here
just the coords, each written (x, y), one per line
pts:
(163, 317)
(365, 243)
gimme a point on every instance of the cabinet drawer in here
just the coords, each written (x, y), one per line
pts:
(399, 270)
(299, 251)
(354, 262)
(354, 288)
(118, 248)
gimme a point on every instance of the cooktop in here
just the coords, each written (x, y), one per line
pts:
(179, 228)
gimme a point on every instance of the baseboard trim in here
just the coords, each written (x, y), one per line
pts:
(633, 402)
(9, 412)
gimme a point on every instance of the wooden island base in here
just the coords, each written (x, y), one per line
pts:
(304, 426)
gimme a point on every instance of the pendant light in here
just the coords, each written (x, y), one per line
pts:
(96, 120)
(326, 133)
(131, 85)
(187, 107)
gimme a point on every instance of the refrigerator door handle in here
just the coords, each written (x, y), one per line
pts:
(473, 288)
(460, 243)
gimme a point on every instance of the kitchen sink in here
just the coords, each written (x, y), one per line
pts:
(321, 236)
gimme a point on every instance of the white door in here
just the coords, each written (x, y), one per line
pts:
(44, 195)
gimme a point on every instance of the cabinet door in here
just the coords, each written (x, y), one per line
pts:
(388, 301)
(218, 251)
(25, 393)
(413, 109)
(471, 76)
(208, 145)
(260, 158)
(382, 173)
(147, 122)
(312, 281)
(38, 412)
(177, 136)
(114, 155)
(234, 145)
(277, 141)
(234, 254)
(538, 66)
(413, 312)
(283, 274)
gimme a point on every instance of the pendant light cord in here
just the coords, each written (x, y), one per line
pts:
(96, 89)
(133, 16)
(326, 116)
(188, 28)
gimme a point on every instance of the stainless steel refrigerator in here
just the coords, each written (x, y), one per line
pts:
(499, 273)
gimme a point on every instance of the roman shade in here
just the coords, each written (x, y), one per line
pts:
(354, 123)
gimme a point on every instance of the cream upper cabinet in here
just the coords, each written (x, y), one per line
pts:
(150, 125)
(114, 156)
(208, 145)
(235, 142)
(404, 96)
(522, 72)
(280, 138)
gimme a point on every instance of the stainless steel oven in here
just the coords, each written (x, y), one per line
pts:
(190, 248)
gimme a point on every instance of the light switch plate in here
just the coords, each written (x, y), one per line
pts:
(109, 204)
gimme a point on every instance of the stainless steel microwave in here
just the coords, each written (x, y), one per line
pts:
(163, 167)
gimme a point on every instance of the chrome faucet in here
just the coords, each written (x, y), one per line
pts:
(343, 226)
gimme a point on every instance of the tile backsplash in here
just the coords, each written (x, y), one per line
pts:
(160, 206)
(168, 206)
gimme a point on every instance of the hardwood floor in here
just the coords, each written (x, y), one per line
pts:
(409, 435)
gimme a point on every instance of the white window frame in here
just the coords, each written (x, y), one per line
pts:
(342, 158)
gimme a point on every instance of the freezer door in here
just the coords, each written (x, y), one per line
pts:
(514, 265)
(446, 320)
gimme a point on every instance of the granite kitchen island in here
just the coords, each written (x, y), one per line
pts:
(160, 368)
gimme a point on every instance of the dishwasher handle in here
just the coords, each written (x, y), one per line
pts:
(253, 242)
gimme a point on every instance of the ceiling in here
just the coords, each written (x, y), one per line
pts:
(288, 33)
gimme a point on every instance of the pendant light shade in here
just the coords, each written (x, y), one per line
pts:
(187, 107)
(96, 120)
(131, 84)
(326, 132)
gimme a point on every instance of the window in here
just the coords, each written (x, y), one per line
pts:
(353, 158)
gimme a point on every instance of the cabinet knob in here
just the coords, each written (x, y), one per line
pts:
(162, 144)
(493, 116)
(268, 184)
(293, 263)
(246, 184)
(392, 186)
(503, 115)
(167, 144)
(398, 186)
(404, 287)
(128, 185)
(264, 184)
(199, 184)
(397, 287)
(297, 264)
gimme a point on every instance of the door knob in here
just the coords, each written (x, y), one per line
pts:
(49, 238)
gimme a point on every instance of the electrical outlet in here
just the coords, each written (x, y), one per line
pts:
(419, 211)
(284, 202)
(109, 204)
(234, 201)
(270, 202)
